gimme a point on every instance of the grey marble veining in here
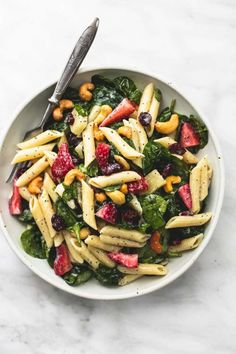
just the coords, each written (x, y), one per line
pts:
(192, 44)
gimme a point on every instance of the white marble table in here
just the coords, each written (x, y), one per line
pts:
(192, 44)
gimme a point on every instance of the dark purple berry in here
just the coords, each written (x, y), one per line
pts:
(20, 172)
(167, 170)
(130, 216)
(175, 242)
(73, 139)
(58, 223)
(75, 160)
(111, 168)
(145, 119)
(185, 213)
(176, 148)
(70, 119)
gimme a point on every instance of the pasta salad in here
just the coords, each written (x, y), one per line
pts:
(113, 188)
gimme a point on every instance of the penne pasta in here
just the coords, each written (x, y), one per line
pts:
(120, 242)
(40, 139)
(185, 221)
(135, 204)
(32, 153)
(194, 183)
(47, 210)
(190, 158)
(58, 239)
(25, 194)
(88, 205)
(146, 99)
(145, 269)
(32, 172)
(125, 149)
(51, 156)
(80, 123)
(102, 256)
(166, 141)
(135, 139)
(115, 178)
(96, 242)
(50, 186)
(94, 113)
(187, 244)
(153, 110)
(62, 140)
(80, 150)
(155, 181)
(142, 136)
(86, 254)
(73, 246)
(88, 145)
(129, 278)
(203, 178)
(40, 220)
(132, 235)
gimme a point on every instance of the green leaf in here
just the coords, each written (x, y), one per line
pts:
(108, 276)
(33, 243)
(92, 170)
(51, 256)
(128, 88)
(154, 207)
(147, 255)
(112, 188)
(82, 111)
(116, 125)
(76, 229)
(79, 274)
(105, 92)
(26, 216)
(158, 95)
(65, 212)
(70, 192)
(59, 126)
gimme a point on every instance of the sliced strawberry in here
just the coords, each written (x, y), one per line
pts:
(138, 186)
(123, 110)
(108, 212)
(63, 163)
(188, 136)
(185, 195)
(102, 155)
(15, 202)
(62, 263)
(127, 260)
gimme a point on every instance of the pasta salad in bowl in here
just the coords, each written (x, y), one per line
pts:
(116, 188)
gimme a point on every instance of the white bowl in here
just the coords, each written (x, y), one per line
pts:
(31, 113)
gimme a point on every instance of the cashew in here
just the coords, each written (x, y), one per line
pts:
(71, 175)
(35, 185)
(84, 233)
(169, 181)
(117, 197)
(100, 197)
(105, 110)
(84, 91)
(63, 105)
(169, 126)
(122, 162)
(124, 188)
(98, 134)
(125, 131)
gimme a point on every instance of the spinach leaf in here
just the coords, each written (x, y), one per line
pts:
(128, 88)
(77, 275)
(185, 232)
(157, 156)
(92, 170)
(154, 207)
(51, 256)
(33, 242)
(105, 92)
(116, 125)
(112, 188)
(142, 226)
(108, 276)
(70, 192)
(82, 111)
(59, 126)
(158, 95)
(26, 216)
(167, 112)
(147, 255)
(174, 206)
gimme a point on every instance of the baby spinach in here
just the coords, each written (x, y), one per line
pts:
(147, 255)
(105, 92)
(128, 88)
(108, 276)
(59, 126)
(79, 274)
(26, 216)
(116, 125)
(92, 170)
(81, 110)
(154, 207)
(158, 95)
(70, 192)
(112, 188)
(33, 242)
(52, 253)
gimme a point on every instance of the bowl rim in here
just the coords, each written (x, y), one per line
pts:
(198, 251)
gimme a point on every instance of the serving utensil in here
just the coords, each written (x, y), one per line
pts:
(76, 58)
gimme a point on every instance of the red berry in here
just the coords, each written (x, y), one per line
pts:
(102, 155)
(138, 186)
(185, 194)
(62, 263)
(127, 260)
(63, 163)
(123, 110)
(188, 136)
(108, 212)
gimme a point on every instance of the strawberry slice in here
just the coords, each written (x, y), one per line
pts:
(15, 202)
(62, 263)
(188, 136)
(127, 260)
(185, 195)
(108, 213)
(63, 163)
(138, 186)
(123, 110)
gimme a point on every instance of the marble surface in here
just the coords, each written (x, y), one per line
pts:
(192, 44)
